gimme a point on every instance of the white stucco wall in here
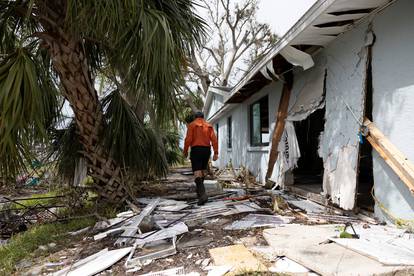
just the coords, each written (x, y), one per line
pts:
(345, 62)
(393, 101)
(393, 111)
(242, 154)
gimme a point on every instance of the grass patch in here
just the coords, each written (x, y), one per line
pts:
(23, 245)
(38, 199)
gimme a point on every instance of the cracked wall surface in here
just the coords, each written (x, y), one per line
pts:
(345, 63)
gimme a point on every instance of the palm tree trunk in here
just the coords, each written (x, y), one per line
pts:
(70, 62)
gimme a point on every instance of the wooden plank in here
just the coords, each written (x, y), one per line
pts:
(397, 161)
(280, 127)
(237, 256)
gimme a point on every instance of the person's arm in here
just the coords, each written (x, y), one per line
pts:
(213, 139)
(188, 139)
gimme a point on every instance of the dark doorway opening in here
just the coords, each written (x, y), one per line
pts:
(365, 184)
(309, 173)
(365, 178)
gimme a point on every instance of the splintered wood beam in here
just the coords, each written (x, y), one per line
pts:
(397, 161)
(279, 128)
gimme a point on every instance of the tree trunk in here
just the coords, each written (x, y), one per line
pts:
(70, 62)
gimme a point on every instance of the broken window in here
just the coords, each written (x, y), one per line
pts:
(229, 132)
(259, 122)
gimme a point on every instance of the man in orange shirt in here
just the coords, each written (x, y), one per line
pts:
(200, 136)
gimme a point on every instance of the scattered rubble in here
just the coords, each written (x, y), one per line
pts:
(165, 236)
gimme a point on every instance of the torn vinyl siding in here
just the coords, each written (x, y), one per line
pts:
(393, 101)
(255, 159)
(346, 62)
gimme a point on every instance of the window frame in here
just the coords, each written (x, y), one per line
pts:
(259, 101)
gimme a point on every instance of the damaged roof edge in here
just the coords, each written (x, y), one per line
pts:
(301, 25)
(312, 14)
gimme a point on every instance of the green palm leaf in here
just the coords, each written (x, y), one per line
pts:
(27, 108)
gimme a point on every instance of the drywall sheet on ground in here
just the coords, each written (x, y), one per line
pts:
(307, 245)
(385, 252)
(388, 245)
(237, 256)
(346, 63)
(258, 220)
(393, 101)
(96, 263)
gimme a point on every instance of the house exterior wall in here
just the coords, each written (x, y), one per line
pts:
(216, 104)
(393, 109)
(393, 101)
(241, 153)
(339, 147)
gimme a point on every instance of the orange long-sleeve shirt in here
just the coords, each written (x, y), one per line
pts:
(200, 133)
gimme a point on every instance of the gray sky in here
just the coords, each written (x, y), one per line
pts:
(282, 14)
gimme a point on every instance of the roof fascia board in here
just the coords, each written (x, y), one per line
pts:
(223, 110)
(219, 92)
(209, 97)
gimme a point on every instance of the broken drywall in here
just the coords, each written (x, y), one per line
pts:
(307, 96)
(346, 63)
(393, 102)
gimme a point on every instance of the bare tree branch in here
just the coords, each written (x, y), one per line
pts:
(237, 41)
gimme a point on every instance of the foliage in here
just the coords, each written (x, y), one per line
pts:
(28, 106)
(237, 41)
(129, 140)
(143, 43)
(172, 150)
(65, 150)
(23, 245)
(38, 199)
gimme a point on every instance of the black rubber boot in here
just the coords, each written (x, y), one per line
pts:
(201, 191)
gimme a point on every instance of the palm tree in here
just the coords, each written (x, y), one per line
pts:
(51, 49)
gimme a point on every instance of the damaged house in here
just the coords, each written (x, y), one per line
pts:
(301, 116)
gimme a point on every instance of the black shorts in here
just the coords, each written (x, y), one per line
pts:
(199, 158)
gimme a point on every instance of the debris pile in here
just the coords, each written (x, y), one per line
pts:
(158, 228)
(238, 230)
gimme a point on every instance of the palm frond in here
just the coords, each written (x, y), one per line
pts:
(28, 106)
(146, 41)
(130, 142)
(66, 150)
(173, 153)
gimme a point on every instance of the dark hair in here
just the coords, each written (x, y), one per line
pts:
(198, 114)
